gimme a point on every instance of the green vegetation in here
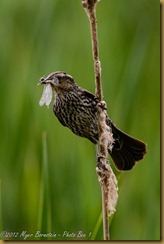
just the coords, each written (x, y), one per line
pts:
(49, 184)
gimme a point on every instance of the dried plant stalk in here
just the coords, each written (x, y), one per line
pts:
(106, 177)
(89, 6)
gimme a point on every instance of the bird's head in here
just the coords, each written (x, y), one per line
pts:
(60, 81)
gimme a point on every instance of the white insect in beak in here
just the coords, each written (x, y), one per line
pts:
(46, 97)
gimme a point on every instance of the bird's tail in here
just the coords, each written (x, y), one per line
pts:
(126, 150)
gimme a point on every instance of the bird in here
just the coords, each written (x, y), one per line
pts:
(76, 108)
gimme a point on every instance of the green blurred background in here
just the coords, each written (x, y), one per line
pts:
(48, 181)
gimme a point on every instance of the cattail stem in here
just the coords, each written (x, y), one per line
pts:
(102, 169)
(105, 214)
(89, 6)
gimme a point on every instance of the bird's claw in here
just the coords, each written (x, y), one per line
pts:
(100, 164)
(102, 105)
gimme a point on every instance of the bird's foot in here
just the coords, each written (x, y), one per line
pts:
(102, 105)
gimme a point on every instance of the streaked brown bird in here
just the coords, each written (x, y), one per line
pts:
(76, 108)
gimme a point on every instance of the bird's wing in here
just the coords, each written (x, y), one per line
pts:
(89, 95)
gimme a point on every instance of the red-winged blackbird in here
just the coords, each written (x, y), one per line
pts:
(76, 109)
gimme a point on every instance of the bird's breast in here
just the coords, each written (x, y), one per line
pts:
(77, 113)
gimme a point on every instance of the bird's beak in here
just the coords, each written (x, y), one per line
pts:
(44, 80)
(54, 81)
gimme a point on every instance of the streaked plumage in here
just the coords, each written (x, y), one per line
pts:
(76, 109)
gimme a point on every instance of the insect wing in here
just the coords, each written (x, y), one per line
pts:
(46, 95)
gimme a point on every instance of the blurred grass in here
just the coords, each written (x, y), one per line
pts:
(44, 213)
(38, 37)
(1, 224)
